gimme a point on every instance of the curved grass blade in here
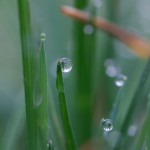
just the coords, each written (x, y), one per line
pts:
(70, 144)
(137, 44)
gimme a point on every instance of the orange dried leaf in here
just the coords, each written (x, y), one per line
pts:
(139, 45)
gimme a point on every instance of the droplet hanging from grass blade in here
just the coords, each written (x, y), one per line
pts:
(106, 124)
(120, 80)
(50, 145)
(43, 36)
(66, 64)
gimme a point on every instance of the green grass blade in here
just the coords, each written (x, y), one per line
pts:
(42, 102)
(83, 59)
(148, 124)
(35, 83)
(70, 144)
(27, 54)
(137, 97)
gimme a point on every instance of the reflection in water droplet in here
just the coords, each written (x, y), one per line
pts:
(66, 64)
(88, 29)
(132, 130)
(107, 124)
(43, 36)
(98, 3)
(111, 68)
(120, 80)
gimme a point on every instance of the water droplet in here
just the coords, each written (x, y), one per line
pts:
(43, 36)
(112, 70)
(107, 124)
(38, 101)
(132, 130)
(66, 65)
(88, 29)
(98, 3)
(50, 145)
(120, 80)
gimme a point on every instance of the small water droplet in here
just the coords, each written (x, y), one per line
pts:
(88, 29)
(50, 145)
(107, 124)
(112, 70)
(38, 101)
(120, 80)
(43, 36)
(132, 130)
(66, 64)
(98, 3)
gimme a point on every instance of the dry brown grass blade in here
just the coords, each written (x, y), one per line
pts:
(138, 44)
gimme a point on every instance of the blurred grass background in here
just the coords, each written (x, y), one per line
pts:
(89, 92)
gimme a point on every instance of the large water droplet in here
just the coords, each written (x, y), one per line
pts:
(88, 29)
(120, 80)
(107, 124)
(66, 64)
(43, 36)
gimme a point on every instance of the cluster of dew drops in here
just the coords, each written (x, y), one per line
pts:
(113, 71)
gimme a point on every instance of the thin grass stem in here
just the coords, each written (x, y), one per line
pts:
(70, 144)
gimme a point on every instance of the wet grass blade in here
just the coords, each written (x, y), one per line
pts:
(41, 101)
(138, 94)
(70, 144)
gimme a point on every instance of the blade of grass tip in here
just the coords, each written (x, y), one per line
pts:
(139, 45)
(70, 144)
(42, 102)
(50, 145)
(27, 55)
(138, 93)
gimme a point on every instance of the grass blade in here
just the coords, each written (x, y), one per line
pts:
(37, 118)
(27, 54)
(138, 94)
(70, 144)
(42, 95)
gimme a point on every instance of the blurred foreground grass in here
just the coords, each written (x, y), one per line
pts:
(90, 93)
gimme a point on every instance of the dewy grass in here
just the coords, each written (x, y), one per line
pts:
(137, 97)
(35, 83)
(69, 140)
